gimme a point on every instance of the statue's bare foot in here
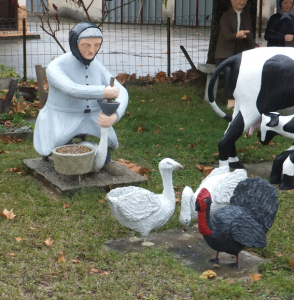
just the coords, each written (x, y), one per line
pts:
(112, 169)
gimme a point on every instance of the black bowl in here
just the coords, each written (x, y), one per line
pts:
(108, 108)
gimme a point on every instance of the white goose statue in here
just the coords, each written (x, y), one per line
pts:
(142, 210)
(221, 184)
(100, 150)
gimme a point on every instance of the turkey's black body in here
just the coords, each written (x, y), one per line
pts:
(245, 221)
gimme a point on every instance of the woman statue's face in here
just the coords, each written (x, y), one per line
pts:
(88, 47)
(286, 5)
(239, 4)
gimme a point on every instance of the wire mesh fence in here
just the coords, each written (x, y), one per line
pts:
(126, 48)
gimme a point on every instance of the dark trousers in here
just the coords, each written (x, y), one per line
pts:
(229, 89)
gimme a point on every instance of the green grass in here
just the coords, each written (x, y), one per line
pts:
(169, 127)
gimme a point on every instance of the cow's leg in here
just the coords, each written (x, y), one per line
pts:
(288, 173)
(227, 148)
(276, 172)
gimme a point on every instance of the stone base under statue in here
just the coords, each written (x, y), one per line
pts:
(62, 184)
(191, 250)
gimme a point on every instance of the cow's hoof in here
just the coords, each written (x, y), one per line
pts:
(275, 180)
(236, 165)
(285, 187)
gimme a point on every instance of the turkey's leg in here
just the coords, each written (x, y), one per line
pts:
(236, 264)
(215, 260)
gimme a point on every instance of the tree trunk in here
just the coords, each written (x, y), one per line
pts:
(251, 8)
(219, 7)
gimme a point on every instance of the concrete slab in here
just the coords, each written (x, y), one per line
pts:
(191, 249)
(262, 170)
(45, 171)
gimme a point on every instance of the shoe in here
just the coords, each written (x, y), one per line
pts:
(112, 169)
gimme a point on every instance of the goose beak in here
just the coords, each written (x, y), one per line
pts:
(179, 167)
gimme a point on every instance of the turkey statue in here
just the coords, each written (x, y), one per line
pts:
(242, 223)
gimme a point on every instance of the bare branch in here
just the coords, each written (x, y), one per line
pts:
(90, 5)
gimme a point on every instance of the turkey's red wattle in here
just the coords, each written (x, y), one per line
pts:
(202, 221)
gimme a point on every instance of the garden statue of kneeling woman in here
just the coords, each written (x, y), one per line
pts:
(76, 81)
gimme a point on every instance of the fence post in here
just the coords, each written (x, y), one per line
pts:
(24, 38)
(168, 46)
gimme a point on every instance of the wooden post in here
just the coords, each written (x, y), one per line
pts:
(5, 104)
(41, 74)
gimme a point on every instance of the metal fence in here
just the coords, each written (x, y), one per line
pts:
(126, 48)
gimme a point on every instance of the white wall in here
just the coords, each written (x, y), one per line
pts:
(65, 9)
(268, 8)
(169, 11)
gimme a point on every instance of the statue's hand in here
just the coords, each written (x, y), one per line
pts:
(110, 92)
(242, 34)
(106, 121)
(289, 38)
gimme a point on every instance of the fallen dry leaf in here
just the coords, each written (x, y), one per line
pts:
(122, 78)
(61, 259)
(255, 277)
(48, 242)
(207, 170)
(3, 152)
(104, 273)
(140, 129)
(32, 228)
(208, 274)
(12, 254)
(181, 128)
(132, 166)
(100, 201)
(278, 253)
(7, 124)
(8, 214)
(75, 261)
(291, 263)
(94, 270)
(65, 206)
(186, 98)
(18, 239)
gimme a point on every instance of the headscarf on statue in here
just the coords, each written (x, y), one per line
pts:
(279, 10)
(83, 30)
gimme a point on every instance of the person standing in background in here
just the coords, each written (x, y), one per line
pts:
(235, 37)
(280, 27)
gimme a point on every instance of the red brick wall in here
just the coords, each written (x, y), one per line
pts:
(21, 14)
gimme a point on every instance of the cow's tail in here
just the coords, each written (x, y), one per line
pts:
(226, 63)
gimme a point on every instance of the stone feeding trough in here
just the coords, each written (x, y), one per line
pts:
(73, 159)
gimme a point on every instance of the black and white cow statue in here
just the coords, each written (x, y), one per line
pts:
(261, 81)
(273, 124)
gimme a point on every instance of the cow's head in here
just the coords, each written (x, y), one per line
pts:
(268, 122)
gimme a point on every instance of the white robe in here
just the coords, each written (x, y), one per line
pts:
(74, 87)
